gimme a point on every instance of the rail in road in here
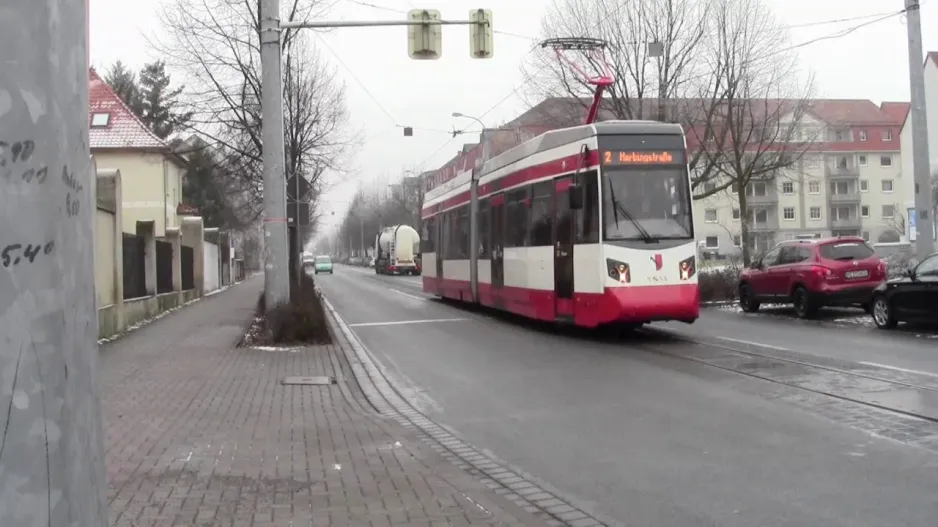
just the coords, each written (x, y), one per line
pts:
(530, 392)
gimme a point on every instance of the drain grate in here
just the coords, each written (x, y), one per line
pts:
(308, 381)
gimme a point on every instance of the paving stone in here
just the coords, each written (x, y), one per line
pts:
(200, 432)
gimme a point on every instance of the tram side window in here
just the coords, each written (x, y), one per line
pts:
(428, 236)
(542, 214)
(587, 218)
(516, 218)
(445, 235)
(484, 219)
(462, 233)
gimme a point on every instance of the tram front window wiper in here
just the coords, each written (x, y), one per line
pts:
(617, 208)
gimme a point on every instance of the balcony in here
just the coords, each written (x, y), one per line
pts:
(770, 197)
(852, 222)
(841, 171)
(770, 225)
(846, 198)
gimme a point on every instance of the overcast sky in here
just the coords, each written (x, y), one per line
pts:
(387, 90)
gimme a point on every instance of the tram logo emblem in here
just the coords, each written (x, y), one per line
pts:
(657, 260)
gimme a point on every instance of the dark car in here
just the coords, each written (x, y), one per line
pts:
(912, 298)
(810, 274)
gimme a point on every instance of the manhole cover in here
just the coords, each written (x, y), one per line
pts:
(308, 381)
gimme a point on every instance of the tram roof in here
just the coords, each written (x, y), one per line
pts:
(554, 138)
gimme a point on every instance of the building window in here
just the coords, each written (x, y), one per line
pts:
(889, 211)
(709, 187)
(100, 120)
(712, 242)
(864, 185)
(864, 211)
(756, 188)
(862, 135)
(861, 160)
(887, 185)
(788, 188)
(815, 213)
(710, 215)
(887, 135)
(737, 240)
(788, 213)
(814, 187)
(865, 235)
(734, 188)
(735, 214)
(885, 161)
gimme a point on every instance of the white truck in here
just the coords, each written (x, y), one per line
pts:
(397, 251)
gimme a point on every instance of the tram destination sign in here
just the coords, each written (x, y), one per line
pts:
(640, 157)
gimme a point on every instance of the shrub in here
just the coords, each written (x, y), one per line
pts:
(303, 320)
(718, 284)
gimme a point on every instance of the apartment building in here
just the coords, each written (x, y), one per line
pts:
(849, 182)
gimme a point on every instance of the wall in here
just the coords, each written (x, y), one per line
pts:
(212, 259)
(104, 225)
(143, 192)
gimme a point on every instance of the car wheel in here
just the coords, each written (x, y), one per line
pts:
(804, 305)
(882, 314)
(746, 302)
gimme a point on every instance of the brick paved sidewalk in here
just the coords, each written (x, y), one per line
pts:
(202, 433)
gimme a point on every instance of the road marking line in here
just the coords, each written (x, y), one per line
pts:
(896, 368)
(750, 343)
(401, 322)
(408, 295)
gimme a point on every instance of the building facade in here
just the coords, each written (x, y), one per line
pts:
(152, 174)
(848, 182)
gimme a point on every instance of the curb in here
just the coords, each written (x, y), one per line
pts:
(526, 491)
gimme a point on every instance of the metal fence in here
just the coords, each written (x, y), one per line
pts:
(164, 267)
(188, 268)
(134, 252)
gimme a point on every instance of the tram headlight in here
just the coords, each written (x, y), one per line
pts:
(688, 268)
(618, 271)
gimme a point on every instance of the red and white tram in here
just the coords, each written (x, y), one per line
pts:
(591, 225)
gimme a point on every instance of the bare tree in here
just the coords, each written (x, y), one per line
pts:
(753, 126)
(897, 224)
(216, 45)
(644, 83)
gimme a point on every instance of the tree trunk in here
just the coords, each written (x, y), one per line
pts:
(743, 224)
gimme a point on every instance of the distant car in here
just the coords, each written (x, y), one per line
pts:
(811, 274)
(322, 264)
(911, 298)
(371, 263)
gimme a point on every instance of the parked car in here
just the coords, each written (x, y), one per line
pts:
(811, 274)
(911, 298)
(323, 264)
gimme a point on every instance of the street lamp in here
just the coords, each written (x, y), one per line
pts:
(476, 119)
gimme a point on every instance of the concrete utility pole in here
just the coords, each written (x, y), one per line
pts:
(51, 443)
(277, 260)
(921, 160)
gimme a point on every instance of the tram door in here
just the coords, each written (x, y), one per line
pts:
(497, 237)
(563, 248)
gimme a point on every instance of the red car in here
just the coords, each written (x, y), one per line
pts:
(811, 274)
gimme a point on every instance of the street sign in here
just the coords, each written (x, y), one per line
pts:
(424, 41)
(291, 188)
(304, 213)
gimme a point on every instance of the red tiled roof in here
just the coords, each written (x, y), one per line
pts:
(124, 129)
(898, 111)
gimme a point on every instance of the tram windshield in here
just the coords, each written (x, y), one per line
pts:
(646, 195)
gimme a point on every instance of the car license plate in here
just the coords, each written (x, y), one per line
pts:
(857, 274)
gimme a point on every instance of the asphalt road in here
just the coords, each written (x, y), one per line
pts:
(642, 437)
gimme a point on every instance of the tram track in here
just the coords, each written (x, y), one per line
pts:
(912, 401)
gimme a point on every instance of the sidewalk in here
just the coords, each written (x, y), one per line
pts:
(202, 433)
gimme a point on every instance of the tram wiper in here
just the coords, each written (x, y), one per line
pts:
(618, 208)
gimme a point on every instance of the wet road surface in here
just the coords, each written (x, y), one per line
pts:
(653, 430)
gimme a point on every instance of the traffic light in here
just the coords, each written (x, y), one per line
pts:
(424, 41)
(480, 34)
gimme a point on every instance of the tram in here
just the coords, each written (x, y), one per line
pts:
(590, 225)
